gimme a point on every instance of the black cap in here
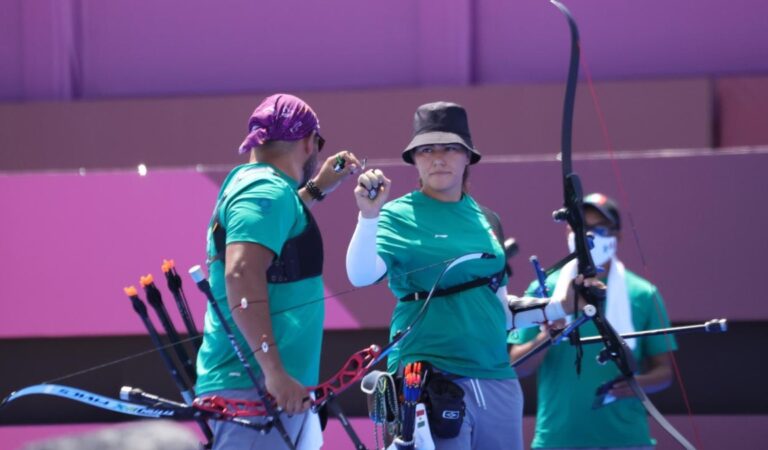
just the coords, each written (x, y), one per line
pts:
(605, 206)
(441, 123)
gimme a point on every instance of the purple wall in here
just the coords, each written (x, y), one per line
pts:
(65, 49)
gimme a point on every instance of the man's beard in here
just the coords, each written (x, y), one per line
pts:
(310, 166)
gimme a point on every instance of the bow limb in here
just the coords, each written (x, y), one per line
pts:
(573, 213)
(157, 408)
(573, 210)
(178, 411)
(656, 414)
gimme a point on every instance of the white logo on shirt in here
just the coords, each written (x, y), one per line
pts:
(441, 236)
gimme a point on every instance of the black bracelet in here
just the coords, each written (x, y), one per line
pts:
(314, 191)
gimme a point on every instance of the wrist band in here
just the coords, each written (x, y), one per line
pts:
(314, 191)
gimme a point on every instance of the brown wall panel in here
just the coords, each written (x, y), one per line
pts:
(505, 120)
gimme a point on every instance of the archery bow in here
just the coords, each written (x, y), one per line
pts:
(573, 213)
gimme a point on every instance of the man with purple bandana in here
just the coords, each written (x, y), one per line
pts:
(265, 260)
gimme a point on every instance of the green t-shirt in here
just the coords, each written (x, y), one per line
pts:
(263, 207)
(565, 417)
(463, 333)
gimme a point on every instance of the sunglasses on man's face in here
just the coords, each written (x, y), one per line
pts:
(320, 143)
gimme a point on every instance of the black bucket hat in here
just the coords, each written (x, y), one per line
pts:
(441, 123)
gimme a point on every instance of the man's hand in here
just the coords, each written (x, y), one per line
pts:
(548, 329)
(580, 281)
(621, 389)
(290, 396)
(328, 179)
(368, 182)
(657, 376)
(552, 326)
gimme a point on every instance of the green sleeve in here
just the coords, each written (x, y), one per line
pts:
(263, 214)
(522, 335)
(656, 317)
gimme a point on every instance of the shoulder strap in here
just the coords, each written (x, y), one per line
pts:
(495, 222)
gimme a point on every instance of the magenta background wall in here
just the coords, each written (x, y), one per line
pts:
(106, 230)
(72, 242)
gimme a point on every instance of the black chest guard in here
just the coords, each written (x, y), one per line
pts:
(301, 256)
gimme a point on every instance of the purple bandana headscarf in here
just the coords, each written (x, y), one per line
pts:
(280, 117)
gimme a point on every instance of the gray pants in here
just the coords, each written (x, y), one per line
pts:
(494, 416)
(303, 429)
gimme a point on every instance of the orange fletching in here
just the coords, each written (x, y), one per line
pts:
(146, 280)
(168, 264)
(130, 291)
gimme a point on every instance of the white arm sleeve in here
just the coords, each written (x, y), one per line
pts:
(501, 293)
(552, 310)
(364, 265)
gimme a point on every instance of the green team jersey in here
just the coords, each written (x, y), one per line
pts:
(262, 206)
(462, 333)
(565, 417)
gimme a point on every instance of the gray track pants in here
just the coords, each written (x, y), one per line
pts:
(494, 416)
